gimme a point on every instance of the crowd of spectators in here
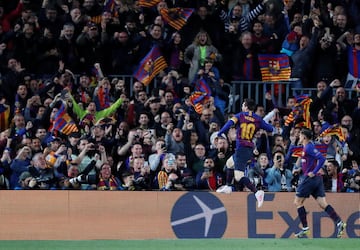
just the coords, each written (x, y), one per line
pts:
(127, 138)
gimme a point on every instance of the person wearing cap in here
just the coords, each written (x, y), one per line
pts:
(25, 180)
(247, 123)
(312, 184)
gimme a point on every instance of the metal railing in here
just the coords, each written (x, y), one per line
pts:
(279, 91)
(239, 90)
(256, 90)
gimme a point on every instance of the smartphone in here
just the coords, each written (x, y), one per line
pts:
(278, 158)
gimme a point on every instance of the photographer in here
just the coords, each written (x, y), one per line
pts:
(26, 180)
(89, 152)
(42, 172)
(278, 178)
(69, 181)
(87, 179)
(127, 179)
(351, 177)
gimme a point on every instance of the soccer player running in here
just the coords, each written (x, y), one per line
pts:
(312, 184)
(247, 123)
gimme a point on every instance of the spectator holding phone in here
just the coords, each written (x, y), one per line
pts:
(208, 179)
(278, 178)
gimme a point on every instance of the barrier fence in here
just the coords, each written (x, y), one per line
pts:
(280, 91)
(238, 90)
(83, 215)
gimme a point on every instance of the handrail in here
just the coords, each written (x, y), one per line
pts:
(280, 91)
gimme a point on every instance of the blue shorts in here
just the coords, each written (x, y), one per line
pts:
(241, 157)
(311, 186)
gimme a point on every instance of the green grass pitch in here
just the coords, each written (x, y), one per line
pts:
(195, 244)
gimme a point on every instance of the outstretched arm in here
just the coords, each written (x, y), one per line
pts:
(226, 127)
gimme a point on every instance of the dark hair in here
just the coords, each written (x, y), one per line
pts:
(278, 152)
(250, 103)
(335, 163)
(307, 132)
(180, 153)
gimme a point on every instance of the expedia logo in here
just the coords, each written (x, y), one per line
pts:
(198, 215)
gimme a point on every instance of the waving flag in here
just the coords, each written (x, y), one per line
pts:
(109, 5)
(176, 17)
(201, 95)
(112, 7)
(150, 66)
(197, 100)
(304, 102)
(202, 86)
(274, 67)
(334, 130)
(4, 117)
(63, 122)
(148, 3)
(301, 110)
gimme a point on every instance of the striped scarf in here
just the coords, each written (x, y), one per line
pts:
(110, 184)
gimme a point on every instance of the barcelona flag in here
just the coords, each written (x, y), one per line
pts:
(176, 17)
(4, 117)
(300, 110)
(197, 100)
(201, 95)
(274, 67)
(201, 85)
(63, 122)
(111, 7)
(150, 66)
(334, 130)
(148, 3)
